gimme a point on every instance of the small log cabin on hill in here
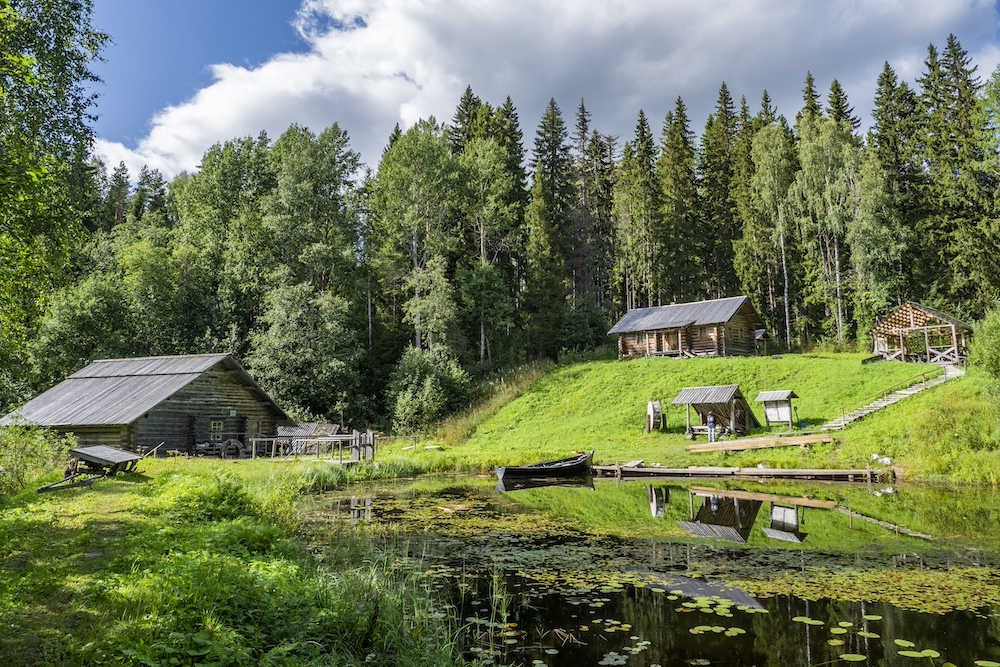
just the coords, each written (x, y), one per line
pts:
(719, 328)
(919, 333)
(139, 403)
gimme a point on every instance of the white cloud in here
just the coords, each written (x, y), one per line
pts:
(371, 64)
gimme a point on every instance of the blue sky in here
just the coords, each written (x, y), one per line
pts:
(183, 75)
(162, 50)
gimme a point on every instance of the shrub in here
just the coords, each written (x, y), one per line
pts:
(425, 387)
(984, 351)
(26, 452)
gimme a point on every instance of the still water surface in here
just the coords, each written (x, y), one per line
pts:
(701, 573)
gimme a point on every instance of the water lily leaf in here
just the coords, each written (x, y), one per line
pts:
(835, 642)
(906, 644)
(930, 653)
(986, 663)
(912, 654)
(838, 631)
(845, 624)
(872, 617)
(552, 651)
(853, 657)
(869, 635)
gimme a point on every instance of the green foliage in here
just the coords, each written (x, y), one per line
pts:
(984, 351)
(27, 452)
(425, 387)
(196, 564)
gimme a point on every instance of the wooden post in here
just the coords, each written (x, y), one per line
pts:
(688, 418)
(927, 345)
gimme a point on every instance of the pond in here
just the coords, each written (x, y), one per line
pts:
(699, 573)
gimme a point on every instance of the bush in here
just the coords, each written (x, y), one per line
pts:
(984, 351)
(26, 452)
(425, 387)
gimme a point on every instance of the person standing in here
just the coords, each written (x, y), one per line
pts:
(711, 426)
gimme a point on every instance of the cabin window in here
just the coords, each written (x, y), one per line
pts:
(215, 431)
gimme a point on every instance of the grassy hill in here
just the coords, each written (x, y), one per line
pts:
(951, 430)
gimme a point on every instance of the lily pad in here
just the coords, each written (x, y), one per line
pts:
(872, 617)
(853, 657)
(908, 644)
(869, 635)
(930, 653)
(912, 654)
(835, 642)
(838, 631)
(986, 663)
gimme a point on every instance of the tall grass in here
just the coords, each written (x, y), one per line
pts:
(199, 562)
(496, 393)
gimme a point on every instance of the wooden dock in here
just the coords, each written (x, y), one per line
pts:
(711, 472)
(762, 443)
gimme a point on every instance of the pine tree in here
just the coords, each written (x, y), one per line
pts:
(680, 266)
(637, 220)
(893, 144)
(715, 171)
(467, 122)
(552, 161)
(544, 288)
(951, 195)
(839, 109)
(810, 98)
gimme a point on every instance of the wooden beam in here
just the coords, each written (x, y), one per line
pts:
(763, 497)
(761, 443)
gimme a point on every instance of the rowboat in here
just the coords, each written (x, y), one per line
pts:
(573, 466)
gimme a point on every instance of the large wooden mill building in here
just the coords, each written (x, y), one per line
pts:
(719, 328)
(140, 403)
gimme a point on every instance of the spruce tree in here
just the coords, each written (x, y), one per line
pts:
(810, 98)
(680, 267)
(720, 226)
(544, 288)
(839, 109)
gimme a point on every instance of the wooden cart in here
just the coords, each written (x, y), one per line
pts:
(90, 464)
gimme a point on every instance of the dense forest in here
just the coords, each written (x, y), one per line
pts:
(367, 295)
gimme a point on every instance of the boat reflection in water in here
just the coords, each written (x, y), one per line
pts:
(507, 484)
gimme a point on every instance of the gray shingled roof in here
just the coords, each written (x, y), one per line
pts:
(699, 313)
(119, 391)
(720, 394)
(778, 395)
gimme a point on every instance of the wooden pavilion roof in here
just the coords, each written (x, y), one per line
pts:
(911, 316)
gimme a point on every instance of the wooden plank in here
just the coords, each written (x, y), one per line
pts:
(854, 475)
(763, 497)
(760, 443)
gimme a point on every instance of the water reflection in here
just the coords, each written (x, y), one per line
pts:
(508, 484)
(730, 515)
(602, 572)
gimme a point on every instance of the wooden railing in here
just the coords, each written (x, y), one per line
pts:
(902, 384)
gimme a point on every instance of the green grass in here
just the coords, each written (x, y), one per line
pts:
(601, 405)
(197, 562)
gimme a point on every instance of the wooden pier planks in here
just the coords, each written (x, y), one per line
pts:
(761, 443)
(833, 475)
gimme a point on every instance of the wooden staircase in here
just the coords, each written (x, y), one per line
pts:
(890, 397)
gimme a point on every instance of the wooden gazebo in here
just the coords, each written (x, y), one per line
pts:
(919, 333)
(726, 402)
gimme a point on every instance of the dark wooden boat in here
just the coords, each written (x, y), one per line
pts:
(573, 466)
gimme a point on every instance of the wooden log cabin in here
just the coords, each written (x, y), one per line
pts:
(137, 404)
(718, 328)
(923, 334)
